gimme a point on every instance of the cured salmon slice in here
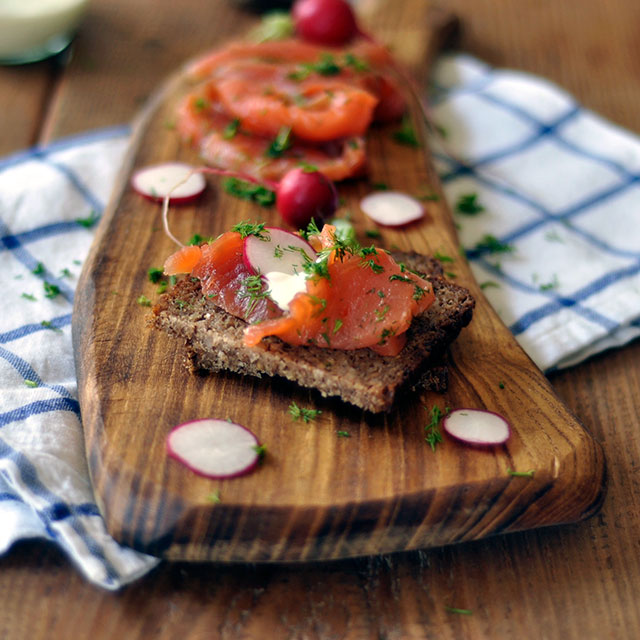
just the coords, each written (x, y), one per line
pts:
(317, 109)
(289, 50)
(224, 277)
(224, 144)
(365, 299)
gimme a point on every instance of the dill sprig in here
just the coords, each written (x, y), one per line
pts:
(432, 430)
(254, 289)
(303, 414)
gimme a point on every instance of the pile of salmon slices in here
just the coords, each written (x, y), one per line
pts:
(262, 109)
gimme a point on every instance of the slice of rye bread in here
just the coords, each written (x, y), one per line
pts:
(214, 340)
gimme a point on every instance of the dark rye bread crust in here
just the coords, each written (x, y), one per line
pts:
(214, 341)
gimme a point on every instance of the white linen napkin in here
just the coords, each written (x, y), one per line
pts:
(556, 183)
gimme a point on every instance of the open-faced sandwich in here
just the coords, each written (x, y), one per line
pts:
(350, 321)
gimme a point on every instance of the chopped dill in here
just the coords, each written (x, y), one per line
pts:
(231, 129)
(89, 221)
(247, 228)
(443, 257)
(432, 431)
(253, 288)
(155, 274)
(249, 191)
(280, 144)
(521, 474)
(491, 244)
(468, 204)
(305, 415)
(406, 135)
(50, 290)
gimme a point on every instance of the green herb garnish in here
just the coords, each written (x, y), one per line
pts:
(300, 413)
(275, 25)
(251, 229)
(143, 301)
(29, 296)
(47, 324)
(281, 143)
(468, 204)
(491, 244)
(249, 191)
(31, 383)
(442, 257)
(464, 612)
(357, 64)
(231, 129)
(261, 450)
(489, 283)
(397, 276)
(89, 221)
(155, 274)
(343, 434)
(39, 269)
(214, 497)
(50, 290)
(521, 474)
(406, 134)
(254, 289)
(547, 286)
(432, 431)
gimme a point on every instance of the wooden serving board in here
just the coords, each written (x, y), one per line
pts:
(317, 496)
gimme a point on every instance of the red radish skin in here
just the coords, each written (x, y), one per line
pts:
(325, 22)
(392, 208)
(180, 182)
(273, 253)
(477, 427)
(305, 194)
(214, 448)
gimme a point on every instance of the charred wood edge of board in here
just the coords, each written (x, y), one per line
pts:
(369, 527)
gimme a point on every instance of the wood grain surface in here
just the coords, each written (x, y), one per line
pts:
(317, 496)
(574, 581)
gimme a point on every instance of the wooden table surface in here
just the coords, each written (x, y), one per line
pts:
(575, 581)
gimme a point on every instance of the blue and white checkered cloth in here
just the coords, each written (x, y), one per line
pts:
(557, 246)
(559, 189)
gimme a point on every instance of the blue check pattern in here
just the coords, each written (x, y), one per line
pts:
(556, 245)
(558, 188)
(50, 199)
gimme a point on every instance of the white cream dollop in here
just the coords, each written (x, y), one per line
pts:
(283, 287)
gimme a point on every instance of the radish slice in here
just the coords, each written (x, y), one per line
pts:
(176, 180)
(278, 250)
(476, 426)
(391, 208)
(214, 448)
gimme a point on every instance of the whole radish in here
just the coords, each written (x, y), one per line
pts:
(326, 22)
(303, 194)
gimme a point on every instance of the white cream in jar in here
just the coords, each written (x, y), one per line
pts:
(32, 30)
